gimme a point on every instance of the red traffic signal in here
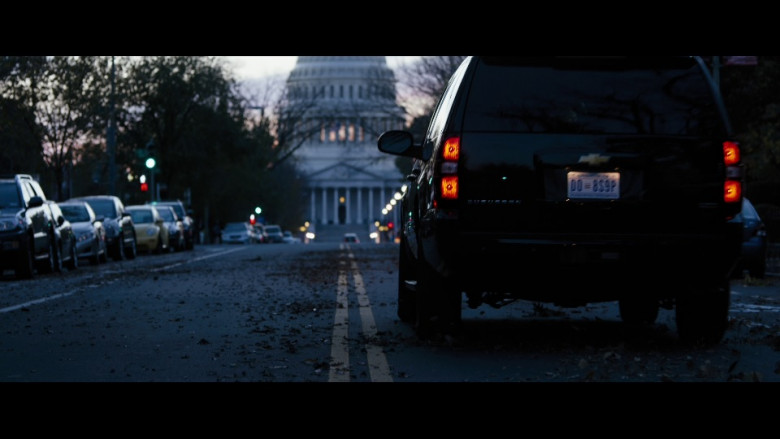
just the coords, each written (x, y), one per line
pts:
(390, 225)
(144, 187)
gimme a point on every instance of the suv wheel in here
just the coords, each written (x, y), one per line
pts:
(57, 257)
(47, 265)
(406, 295)
(73, 263)
(25, 264)
(132, 250)
(639, 310)
(438, 303)
(702, 316)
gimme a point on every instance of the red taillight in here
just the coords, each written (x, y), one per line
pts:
(449, 187)
(732, 191)
(452, 149)
(731, 154)
(448, 169)
(732, 188)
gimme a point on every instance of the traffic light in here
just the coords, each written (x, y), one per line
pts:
(390, 225)
(144, 187)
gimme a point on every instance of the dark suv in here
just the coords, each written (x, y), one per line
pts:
(121, 241)
(26, 227)
(573, 180)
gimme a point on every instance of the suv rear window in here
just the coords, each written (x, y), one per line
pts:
(609, 95)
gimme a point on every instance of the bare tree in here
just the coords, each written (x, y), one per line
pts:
(424, 80)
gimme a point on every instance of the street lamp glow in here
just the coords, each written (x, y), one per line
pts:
(150, 162)
(258, 210)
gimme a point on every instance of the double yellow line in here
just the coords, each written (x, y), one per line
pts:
(378, 369)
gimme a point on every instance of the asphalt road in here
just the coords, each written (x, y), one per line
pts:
(325, 312)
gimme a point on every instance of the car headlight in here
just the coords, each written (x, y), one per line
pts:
(11, 224)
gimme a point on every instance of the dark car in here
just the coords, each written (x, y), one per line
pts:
(88, 227)
(272, 234)
(754, 244)
(65, 254)
(552, 179)
(118, 224)
(186, 220)
(26, 227)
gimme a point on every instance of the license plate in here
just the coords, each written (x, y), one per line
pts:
(594, 185)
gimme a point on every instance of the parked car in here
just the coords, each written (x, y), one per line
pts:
(351, 237)
(64, 239)
(150, 230)
(238, 233)
(289, 238)
(754, 244)
(259, 231)
(186, 219)
(273, 233)
(88, 227)
(120, 231)
(26, 238)
(552, 179)
(174, 225)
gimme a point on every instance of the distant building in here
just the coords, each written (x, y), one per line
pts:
(340, 105)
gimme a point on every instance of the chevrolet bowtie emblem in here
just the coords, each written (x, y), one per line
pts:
(594, 159)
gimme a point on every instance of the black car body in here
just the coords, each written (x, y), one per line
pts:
(26, 227)
(65, 254)
(552, 179)
(120, 231)
(88, 227)
(186, 220)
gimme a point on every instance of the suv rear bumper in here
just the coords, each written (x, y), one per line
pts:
(582, 267)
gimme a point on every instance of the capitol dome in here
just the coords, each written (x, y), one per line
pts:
(340, 105)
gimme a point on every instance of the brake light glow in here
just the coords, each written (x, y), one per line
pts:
(452, 149)
(732, 191)
(449, 187)
(732, 187)
(731, 154)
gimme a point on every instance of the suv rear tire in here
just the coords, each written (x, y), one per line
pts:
(406, 296)
(639, 310)
(702, 316)
(438, 303)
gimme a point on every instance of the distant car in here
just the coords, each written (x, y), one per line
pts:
(150, 230)
(754, 244)
(351, 237)
(88, 227)
(65, 254)
(288, 238)
(238, 233)
(186, 220)
(175, 227)
(120, 232)
(259, 231)
(273, 234)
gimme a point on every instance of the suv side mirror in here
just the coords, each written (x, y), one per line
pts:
(35, 201)
(398, 142)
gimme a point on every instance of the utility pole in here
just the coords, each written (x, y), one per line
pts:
(111, 135)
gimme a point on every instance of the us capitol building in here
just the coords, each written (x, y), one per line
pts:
(340, 105)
